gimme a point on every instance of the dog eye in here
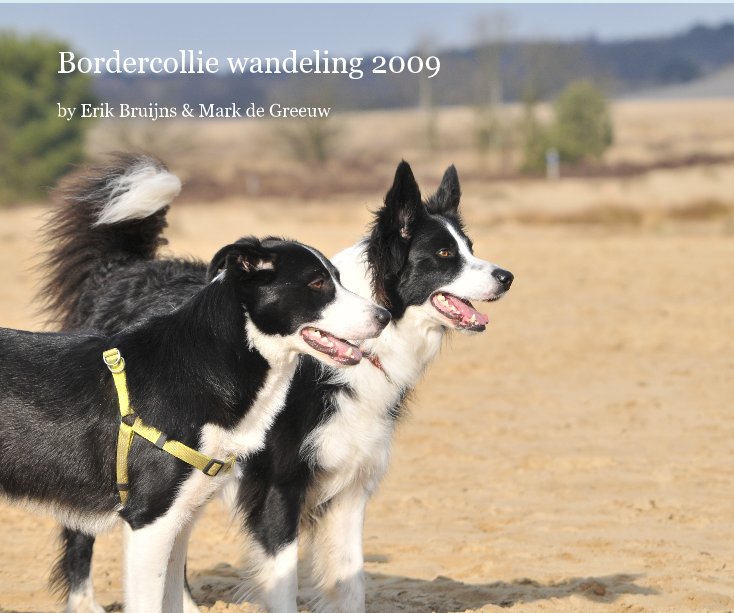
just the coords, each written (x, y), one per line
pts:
(317, 284)
(443, 253)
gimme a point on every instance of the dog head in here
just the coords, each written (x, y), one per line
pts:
(295, 301)
(420, 256)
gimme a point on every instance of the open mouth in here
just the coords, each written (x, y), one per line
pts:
(339, 350)
(460, 311)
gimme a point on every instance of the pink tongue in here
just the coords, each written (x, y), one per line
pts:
(342, 348)
(339, 350)
(467, 311)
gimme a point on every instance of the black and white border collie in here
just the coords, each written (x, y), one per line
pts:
(328, 450)
(212, 374)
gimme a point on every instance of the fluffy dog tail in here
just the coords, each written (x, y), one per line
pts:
(107, 216)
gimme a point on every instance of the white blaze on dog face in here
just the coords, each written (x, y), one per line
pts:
(475, 279)
(421, 259)
(296, 304)
(441, 275)
(347, 317)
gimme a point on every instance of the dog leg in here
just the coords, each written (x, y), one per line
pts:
(228, 495)
(189, 605)
(271, 580)
(72, 573)
(276, 578)
(337, 561)
(82, 600)
(174, 600)
(270, 513)
(148, 551)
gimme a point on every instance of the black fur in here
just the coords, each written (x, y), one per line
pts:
(277, 478)
(406, 237)
(392, 229)
(74, 564)
(401, 248)
(188, 368)
(447, 197)
(79, 263)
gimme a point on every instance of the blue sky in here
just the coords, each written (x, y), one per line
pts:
(255, 29)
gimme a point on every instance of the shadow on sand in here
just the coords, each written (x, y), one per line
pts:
(442, 594)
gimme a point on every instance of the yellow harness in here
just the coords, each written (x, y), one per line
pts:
(130, 425)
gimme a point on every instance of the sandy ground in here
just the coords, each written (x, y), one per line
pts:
(577, 456)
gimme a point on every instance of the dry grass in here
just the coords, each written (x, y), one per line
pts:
(610, 215)
(248, 157)
(671, 163)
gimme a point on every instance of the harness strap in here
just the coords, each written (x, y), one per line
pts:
(131, 424)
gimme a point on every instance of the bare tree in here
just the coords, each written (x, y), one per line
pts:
(312, 142)
(490, 34)
(425, 47)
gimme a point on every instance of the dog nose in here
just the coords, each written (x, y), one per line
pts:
(382, 316)
(505, 277)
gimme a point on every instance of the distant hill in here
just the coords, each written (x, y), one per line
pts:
(538, 68)
(719, 84)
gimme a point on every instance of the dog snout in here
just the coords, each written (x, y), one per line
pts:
(504, 277)
(382, 316)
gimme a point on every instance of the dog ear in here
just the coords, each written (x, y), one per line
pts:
(392, 229)
(446, 199)
(403, 201)
(246, 258)
(252, 262)
(218, 262)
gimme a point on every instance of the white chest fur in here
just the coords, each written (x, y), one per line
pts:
(353, 446)
(249, 434)
(244, 439)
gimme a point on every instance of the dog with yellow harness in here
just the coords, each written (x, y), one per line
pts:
(146, 425)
